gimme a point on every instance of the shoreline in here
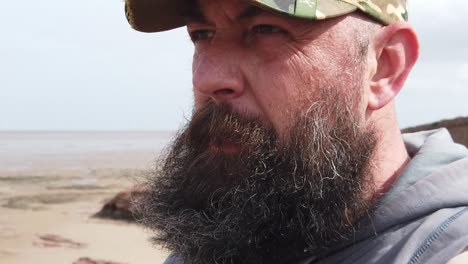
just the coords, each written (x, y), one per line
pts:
(50, 187)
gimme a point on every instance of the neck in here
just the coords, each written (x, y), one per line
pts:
(391, 157)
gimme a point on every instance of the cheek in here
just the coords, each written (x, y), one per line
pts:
(283, 87)
(199, 99)
(299, 78)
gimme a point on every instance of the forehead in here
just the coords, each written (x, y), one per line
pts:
(207, 11)
(204, 10)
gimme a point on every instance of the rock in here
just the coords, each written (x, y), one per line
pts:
(120, 207)
(94, 261)
(458, 128)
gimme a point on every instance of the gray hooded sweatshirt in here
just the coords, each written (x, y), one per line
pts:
(422, 219)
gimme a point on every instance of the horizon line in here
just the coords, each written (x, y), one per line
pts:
(84, 130)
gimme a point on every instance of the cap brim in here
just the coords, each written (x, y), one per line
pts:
(157, 15)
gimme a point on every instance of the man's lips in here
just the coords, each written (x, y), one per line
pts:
(227, 147)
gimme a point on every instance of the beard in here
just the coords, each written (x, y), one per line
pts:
(274, 199)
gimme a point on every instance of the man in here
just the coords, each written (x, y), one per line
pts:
(293, 153)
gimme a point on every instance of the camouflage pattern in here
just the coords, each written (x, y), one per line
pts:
(384, 11)
(160, 15)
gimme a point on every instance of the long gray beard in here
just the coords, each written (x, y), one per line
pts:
(275, 200)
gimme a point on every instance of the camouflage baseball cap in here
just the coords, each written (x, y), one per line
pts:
(161, 15)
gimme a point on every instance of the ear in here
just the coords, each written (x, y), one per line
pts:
(396, 50)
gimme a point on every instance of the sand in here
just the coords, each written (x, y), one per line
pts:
(52, 183)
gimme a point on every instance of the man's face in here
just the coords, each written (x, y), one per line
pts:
(274, 163)
(268, 65)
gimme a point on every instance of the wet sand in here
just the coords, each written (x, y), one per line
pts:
(52, 183)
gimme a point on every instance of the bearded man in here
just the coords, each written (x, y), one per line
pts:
(293, 153)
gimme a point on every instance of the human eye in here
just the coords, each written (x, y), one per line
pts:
(265, 29)
(200, 35)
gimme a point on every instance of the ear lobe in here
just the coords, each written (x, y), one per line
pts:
(396, 51)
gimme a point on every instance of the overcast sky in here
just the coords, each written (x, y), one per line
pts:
(77, 65)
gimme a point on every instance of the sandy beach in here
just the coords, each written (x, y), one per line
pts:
(52, 183)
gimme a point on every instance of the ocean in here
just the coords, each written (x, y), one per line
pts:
(42, 152)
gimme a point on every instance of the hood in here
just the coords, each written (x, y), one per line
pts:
(435, 178)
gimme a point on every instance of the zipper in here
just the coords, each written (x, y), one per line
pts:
(434, 236)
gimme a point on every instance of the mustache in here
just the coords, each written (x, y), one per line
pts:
(215, 124)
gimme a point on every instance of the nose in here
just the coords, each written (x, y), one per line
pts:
(217, 76)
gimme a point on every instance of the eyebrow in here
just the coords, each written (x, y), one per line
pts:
(197, 16)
